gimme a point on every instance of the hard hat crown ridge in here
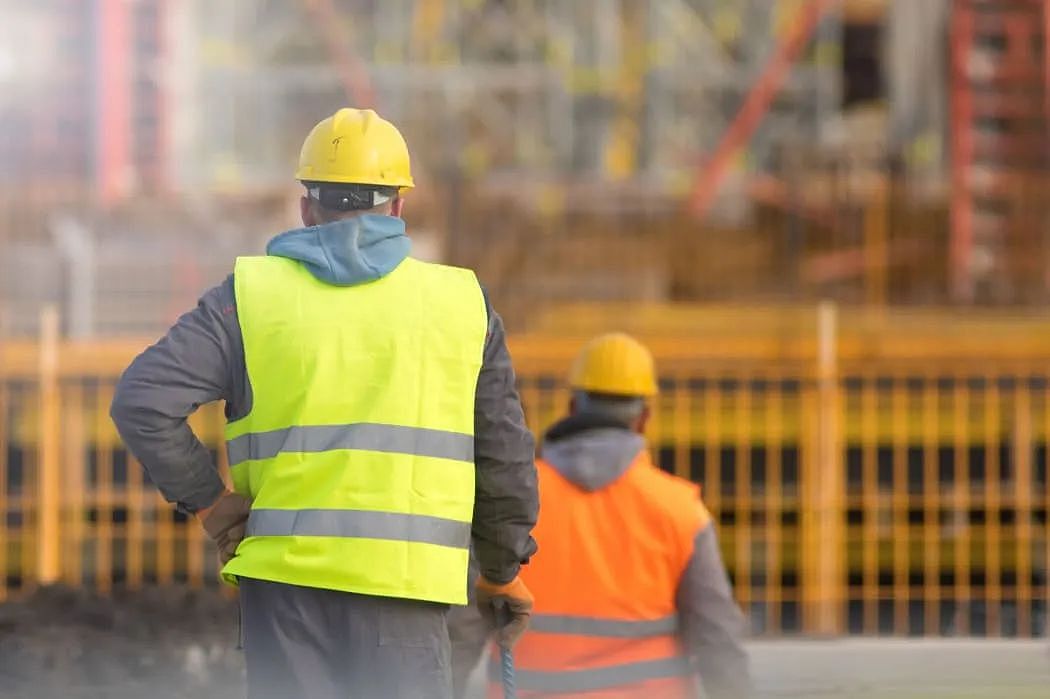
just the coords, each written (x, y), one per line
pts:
(355, 146)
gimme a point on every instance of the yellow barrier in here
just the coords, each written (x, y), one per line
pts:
(857, 489)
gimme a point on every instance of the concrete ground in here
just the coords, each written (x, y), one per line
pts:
(898, 669)
(178, 643)
(902, 669)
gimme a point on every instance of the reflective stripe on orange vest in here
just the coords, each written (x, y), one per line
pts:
(605, 628)
(597, 678)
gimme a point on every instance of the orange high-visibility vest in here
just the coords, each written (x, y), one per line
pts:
(605, 579)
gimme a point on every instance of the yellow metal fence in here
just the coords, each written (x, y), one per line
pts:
(855, 492)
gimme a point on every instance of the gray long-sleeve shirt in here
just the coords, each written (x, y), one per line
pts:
(201, 359)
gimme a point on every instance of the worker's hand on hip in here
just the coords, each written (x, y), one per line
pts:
(515, 598)
(226, 522)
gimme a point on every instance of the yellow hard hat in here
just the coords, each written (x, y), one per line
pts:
(355, 146)
(616, 364)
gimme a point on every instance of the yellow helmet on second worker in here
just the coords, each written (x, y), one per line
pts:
(355, 146)
(616, 364)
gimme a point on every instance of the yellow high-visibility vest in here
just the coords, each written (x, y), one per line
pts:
(358, 452)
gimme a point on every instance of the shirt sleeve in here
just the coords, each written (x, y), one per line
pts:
(506, 500)
(193, 364)
(712, 626)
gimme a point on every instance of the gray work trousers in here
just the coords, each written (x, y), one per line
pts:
(308, 643)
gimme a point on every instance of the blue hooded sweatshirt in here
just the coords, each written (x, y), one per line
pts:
(346, 252)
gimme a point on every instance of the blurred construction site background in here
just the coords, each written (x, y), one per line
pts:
(828, 218)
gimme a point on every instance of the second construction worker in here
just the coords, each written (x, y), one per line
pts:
(374, 433)
(632, 597)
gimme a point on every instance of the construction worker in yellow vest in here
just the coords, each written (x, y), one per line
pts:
(632, 597)
(374, 433)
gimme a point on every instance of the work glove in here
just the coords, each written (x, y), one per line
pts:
(225, 522)
(512, 601)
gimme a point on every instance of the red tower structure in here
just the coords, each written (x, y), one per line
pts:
(131, 128)
(86, 117)
(1000, 104)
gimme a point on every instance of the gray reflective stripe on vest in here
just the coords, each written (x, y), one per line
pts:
(605, 628)
(359, 524)
(366, 436)
(597, 678)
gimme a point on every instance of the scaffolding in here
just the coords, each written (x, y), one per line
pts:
(556, 145)
(520, 91)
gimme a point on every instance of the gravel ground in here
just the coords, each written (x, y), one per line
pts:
(176, 643)
(162, 643)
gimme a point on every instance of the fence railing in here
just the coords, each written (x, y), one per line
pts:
(856, 490)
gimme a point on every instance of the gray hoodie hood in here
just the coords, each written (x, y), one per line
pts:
(594, 458)
(347, 252)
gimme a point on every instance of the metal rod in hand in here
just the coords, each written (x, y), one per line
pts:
(506, 660)
(506, 655)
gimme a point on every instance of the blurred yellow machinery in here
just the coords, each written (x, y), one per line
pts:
(871, 472)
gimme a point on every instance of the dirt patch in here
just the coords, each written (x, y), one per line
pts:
(162, 643)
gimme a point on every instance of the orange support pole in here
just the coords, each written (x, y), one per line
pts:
(49, 504)
(755, 106)
(827, 489)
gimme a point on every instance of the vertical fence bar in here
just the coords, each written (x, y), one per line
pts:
(5, 533)
(960, 527)
(931, 553)
(809, 534)
(742, 491)
(1044, 496)
(774, 441)
(869, 498)
(899, 507)
(27, 501)
(49, 542)
(713, 440)
(726, 506)
(682, 420)
(136, 540)
(74, 444)
(1023, 486)
(104, 498)
(661, 426)
(993, 596)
